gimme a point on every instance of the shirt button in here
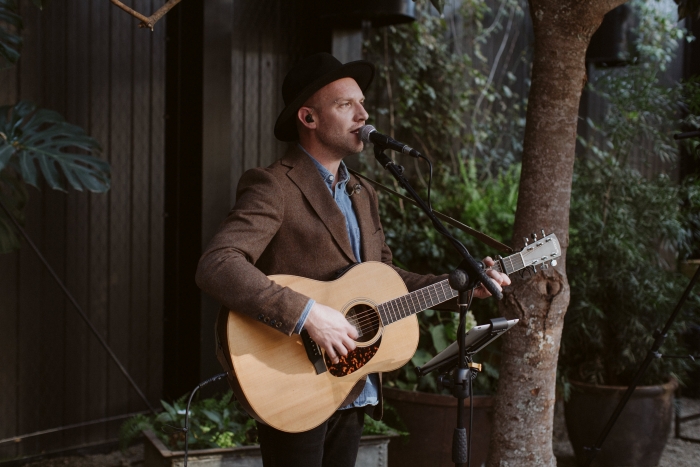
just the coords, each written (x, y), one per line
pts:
(272, 322)
(279, 324)
(266, 319)
(261, 316)
(331, 178)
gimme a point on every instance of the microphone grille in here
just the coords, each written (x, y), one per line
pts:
(364, 133)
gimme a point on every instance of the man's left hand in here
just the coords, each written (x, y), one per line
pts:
(501, 280)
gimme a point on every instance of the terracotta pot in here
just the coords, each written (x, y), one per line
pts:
(431, 419)
(638, 437)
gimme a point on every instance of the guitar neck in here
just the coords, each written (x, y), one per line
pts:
(435, 294)
(415, 302)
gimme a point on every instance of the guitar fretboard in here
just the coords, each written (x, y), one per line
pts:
(440, 292)
(415, 302)
(510, 264)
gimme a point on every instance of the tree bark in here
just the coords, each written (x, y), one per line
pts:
(524, 409)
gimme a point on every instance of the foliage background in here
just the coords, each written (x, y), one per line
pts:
(627, 230)
(446, 89)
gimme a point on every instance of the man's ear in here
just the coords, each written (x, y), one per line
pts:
(306, 116)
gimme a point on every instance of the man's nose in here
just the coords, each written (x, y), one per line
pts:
(362, 114)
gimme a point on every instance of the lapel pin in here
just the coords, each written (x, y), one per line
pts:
(354, 189)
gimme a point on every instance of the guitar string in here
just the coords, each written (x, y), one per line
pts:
(372, 316)
(432, 295)
(441, 295)
(368, 320)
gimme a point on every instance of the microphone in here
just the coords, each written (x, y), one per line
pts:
(369, 134)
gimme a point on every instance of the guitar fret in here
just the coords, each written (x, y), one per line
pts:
(415, 302)
(394, 310)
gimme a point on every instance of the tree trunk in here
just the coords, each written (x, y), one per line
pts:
(524, 410)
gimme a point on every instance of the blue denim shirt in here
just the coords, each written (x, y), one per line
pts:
(370, 394)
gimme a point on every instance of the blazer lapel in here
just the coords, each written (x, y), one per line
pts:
(305, 175)
(363, 211)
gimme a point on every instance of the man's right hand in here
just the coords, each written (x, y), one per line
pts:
(329, 329)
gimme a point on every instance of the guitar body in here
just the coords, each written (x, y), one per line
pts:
(276, 381)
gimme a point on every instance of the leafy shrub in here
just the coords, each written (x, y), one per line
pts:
(215, 422)
(438, 91)
(623, 228)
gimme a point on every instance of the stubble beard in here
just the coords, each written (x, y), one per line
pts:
(341, 144)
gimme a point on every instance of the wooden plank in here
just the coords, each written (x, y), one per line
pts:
(52, 314)
(98, 246)
(9, 311)
(156, 218)
(120, 147)
(237, 98)
(9, 316)
(216, 154)
(29, 367)
(268, 101)
(251, 114)
(76, 384)
(140, 178)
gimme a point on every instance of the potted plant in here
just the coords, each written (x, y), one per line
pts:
(621, 292)
(220, 431)
(628, 228)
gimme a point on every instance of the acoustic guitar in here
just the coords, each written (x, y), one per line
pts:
(290, 384)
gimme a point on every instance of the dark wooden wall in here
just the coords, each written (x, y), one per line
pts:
(248, 49)
(88, 61)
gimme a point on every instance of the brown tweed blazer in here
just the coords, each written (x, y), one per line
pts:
(285, 221)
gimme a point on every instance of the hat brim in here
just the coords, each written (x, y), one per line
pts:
(361, 71)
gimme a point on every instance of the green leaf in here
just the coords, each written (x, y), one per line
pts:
(13, 194)
(420, 357)
(43, 140)
(10, 30)
(439, 337)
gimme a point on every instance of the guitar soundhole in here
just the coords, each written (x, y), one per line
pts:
(353, 361)
(366, 321)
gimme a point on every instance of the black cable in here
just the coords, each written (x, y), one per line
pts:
(79, 309)
(186, 428)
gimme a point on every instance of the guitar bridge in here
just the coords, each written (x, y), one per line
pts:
(313, 351)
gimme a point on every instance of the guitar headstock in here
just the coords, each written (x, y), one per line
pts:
(541, 252)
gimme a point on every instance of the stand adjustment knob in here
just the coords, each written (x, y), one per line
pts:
(474, 366)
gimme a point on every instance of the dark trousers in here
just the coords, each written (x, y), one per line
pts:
(332, 444)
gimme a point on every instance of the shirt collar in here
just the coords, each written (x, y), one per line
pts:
(326, 174)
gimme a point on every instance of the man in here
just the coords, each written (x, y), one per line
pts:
(305, 216)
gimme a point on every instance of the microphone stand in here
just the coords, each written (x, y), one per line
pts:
(464, 279)
(474, 269)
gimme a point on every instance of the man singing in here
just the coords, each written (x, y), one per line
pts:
(305, 216)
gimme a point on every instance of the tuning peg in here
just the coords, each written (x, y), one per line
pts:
(525, 239)
(534, 237)
(543, 234)
(544, 266)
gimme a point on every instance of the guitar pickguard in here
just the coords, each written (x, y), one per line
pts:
(353, 361)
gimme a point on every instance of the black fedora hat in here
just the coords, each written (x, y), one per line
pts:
(307, 77)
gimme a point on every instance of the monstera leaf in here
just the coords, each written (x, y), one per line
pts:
(13, 194)
(40, 141)
(10, 28)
